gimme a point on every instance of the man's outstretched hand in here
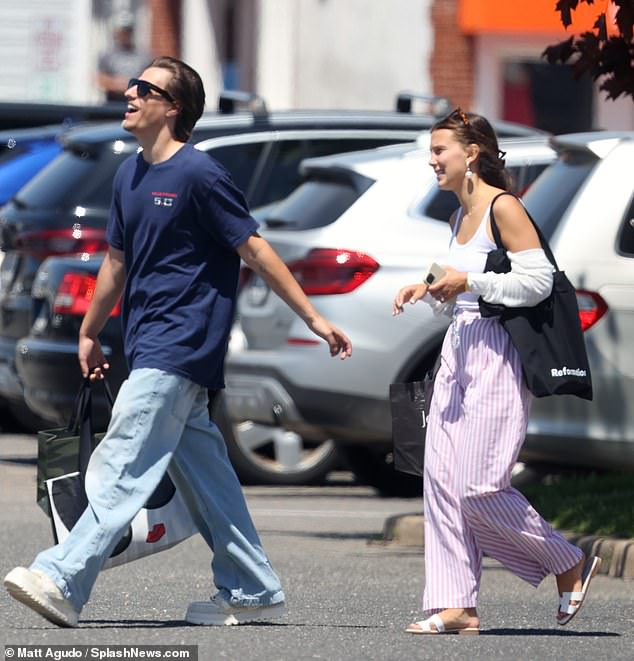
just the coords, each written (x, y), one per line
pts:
(338, 341)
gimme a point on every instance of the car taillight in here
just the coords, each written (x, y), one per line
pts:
(62, 242)
(327, 271)
(591, 308)
(75, 294)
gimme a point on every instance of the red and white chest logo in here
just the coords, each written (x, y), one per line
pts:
(162, 199)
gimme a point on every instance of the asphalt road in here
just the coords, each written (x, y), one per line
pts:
(350, 595)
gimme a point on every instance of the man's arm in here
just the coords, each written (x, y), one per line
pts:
(110, 283)
(259, 255)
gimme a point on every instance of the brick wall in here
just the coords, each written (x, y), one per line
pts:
(451, 64)
(165, 27)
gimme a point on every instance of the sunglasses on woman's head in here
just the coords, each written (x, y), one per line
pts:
(459, 113)
(143, 89)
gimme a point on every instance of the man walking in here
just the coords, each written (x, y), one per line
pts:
(177, 230)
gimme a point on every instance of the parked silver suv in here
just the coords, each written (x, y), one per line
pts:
(359, 227)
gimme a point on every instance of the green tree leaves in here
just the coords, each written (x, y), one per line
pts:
(607, 55)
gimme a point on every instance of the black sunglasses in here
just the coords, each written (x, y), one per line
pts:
(143, 89)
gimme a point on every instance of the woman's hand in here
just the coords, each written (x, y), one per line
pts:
(408, 294)
(448, 287)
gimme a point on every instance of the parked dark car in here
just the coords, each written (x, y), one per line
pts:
(20, 115)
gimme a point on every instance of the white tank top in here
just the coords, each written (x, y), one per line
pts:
(470, 256)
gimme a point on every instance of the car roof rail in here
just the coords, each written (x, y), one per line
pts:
(438, 105)
(228, 101)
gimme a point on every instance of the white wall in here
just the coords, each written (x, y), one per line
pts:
(43, 46)
(342, 53)
(198, 47)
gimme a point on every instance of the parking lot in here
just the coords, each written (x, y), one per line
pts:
(350, 595)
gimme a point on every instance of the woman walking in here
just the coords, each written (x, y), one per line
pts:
(479, 411)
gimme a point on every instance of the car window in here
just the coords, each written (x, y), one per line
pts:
(316, 203)
(626, 234)
(282, 172)
(73, 179)
(549, 197)
(242, 160)
(525, 175)
(440, 204)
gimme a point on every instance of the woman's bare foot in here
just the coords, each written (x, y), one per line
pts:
(570, 581)
(453, 619)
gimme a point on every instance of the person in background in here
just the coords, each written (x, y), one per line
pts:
(177, 231)
(479, 409)
(123, 61)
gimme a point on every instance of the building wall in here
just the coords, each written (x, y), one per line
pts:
(165, 20)
(452, 65)
(199, 46)
(342, 53)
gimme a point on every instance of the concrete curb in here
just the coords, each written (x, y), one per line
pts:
(617, 554)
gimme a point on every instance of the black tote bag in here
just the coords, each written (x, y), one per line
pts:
(409, 404)
(548, 336)
(409, 421)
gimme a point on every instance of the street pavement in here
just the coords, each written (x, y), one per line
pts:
(350, 594)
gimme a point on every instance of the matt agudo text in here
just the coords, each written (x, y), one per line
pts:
(59, 652)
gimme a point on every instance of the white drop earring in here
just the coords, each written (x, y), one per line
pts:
(469, 171)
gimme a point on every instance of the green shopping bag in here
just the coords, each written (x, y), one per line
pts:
(58, 449)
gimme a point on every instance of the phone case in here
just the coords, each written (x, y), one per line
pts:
(435, 272)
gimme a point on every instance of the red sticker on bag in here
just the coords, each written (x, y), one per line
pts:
(156, 533)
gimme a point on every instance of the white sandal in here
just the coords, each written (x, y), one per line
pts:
(425, 627)
(590, 568)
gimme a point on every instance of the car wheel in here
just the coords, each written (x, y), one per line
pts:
(263, 454)
(375, 467)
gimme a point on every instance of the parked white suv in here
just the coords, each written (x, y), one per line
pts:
(359, 227)
(585, 204)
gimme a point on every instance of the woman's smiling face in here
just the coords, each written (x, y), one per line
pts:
(448, 159)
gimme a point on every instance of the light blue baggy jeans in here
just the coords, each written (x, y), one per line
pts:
(160, 422)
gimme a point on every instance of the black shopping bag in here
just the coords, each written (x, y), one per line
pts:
(410, 403)
(547, 336)
(164, 520)
(409, 421)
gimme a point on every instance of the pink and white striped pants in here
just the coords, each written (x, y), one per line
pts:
(477, 424)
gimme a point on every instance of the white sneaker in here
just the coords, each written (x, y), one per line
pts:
(216, 611)
(37, 591)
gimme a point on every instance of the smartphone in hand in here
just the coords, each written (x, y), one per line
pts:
(434, 273)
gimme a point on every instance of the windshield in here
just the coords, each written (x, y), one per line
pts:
(73, 179)
(316, 203)
(549, 197)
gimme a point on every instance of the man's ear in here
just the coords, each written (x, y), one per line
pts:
(174, 110)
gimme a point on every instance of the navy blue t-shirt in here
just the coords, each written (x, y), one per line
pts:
(179, 223)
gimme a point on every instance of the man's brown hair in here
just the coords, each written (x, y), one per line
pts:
(186, 87)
